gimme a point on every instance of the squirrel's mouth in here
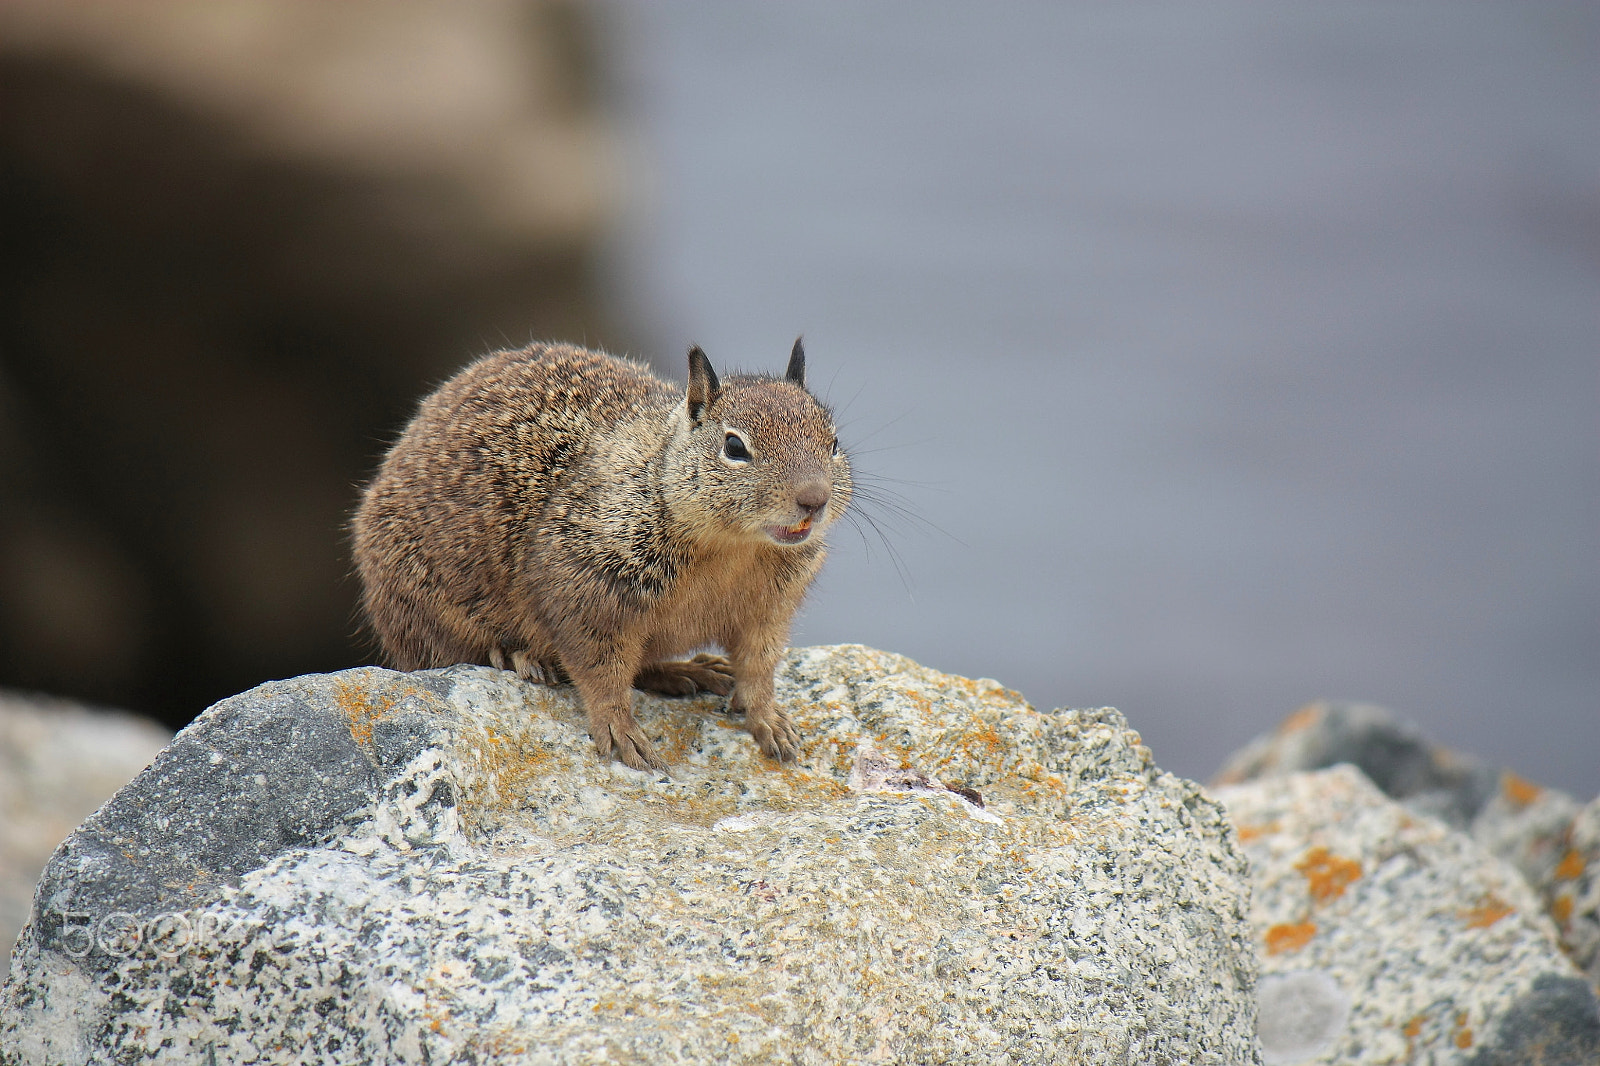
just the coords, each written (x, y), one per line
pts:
(790, 534)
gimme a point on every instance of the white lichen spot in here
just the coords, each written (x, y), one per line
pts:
(1299, 1015)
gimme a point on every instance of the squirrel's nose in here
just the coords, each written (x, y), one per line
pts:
(812, 497)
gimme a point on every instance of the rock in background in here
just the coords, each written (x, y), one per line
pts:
(1387, 937)
(435, 867)
(1537, 830)
(1404, 898)
(58, 763)
(238, 240)
(1576, 902)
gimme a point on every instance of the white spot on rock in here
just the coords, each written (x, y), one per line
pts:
(876, 772)
(1299, 1015)
(739, 823)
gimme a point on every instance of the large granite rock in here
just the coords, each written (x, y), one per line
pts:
(59, 761)
(435, 867)
(1533, 828)
(1388, 937)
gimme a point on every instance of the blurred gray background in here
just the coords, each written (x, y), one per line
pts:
(1235, 354)
(1224, 356)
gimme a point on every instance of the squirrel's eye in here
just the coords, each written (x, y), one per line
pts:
(733, 448)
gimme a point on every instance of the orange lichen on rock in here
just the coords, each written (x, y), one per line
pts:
(1571, 866)
(1519, 790)
(1327, 875)
(1561, 910)
(1463, 1036)
(1289, 937)
(512, 765)
(1486, 913)
(1303, 718)
(1248, 833)
(362, 706)
(1411, 1031)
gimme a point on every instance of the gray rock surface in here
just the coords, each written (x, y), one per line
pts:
(1385, 936)
(1531, 827)
(435, 867)
(59, 761)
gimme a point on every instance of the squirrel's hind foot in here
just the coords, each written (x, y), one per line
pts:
(539, 671)
(703, 673)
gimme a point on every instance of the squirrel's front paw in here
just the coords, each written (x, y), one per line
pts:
(627, 741)
(776, 735)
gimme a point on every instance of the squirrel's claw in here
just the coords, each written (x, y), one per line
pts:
(629, 744)
(777, 737)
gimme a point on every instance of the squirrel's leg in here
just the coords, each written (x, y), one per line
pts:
(603, 678)
(703, 673)
(755, 656)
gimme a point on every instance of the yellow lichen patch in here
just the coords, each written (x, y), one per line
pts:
(1304, 718)
(680, 734)
(830, 788)
(511, 766)
(1248, 833)
(1463, 1034)
(1413, 1029)
(1327, 875)
(1288, 937)
(361, 706)
(1561, 910)
(983, 735)
(1519, 790)
(1486, 913)
(435, 1014)
(1571, 866)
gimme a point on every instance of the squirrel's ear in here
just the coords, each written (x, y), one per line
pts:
(703, 383)
(797, 364)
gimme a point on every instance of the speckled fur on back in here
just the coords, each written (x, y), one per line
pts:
(566, 513)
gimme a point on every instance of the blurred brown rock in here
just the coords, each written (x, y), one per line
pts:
(237, 240)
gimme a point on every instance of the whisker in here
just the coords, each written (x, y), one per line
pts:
(895, 558)
(891, 447)
(842, 411)
(896, 505)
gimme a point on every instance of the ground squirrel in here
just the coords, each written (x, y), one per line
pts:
(569, 515)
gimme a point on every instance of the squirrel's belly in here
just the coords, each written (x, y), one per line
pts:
(709, 604)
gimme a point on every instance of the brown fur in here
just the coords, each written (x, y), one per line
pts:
(566, 514)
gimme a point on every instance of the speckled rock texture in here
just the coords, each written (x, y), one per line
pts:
(1533, 828)
(59, 761)
(1387, 937)
(435, 867)
(1575, 903)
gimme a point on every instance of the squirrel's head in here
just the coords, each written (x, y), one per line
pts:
(760, 455)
